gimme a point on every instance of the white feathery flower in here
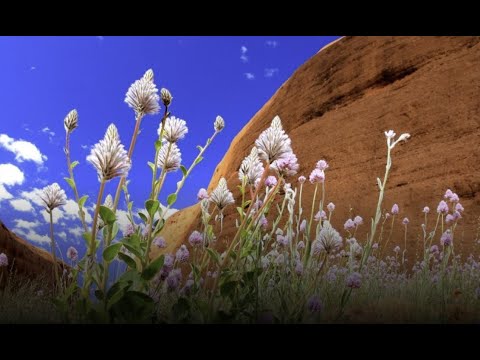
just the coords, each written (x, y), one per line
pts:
(109, 157)
(251, 168)
(221, 196)
(327, 240)
(166, 97)
(169, 160)
(142, 96)
(273, 143)
(219, 124)
(174, 130)
(108, 201)
(53, 196)
(70, 122)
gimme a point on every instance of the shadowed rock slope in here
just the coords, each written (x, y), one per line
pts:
(337, 106)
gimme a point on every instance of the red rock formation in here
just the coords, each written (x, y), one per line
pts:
(24, 260)
(337, 106)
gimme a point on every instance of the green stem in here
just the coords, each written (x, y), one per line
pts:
(55, 267)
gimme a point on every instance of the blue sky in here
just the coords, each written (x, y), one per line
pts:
(43, 78)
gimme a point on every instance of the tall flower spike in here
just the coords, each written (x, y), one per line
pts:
(221, 196)
(53, 196)
(109, 157)
(273, 143)
(166, 97)
(142, 96)
(70, 122)
(175, 129)
(219, 123)
(251, 168)
(172, 161)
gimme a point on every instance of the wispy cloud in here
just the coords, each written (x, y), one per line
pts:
(21, 205)
(76, 231)
(84, 147)
(270, 72)
(23, 150)
(249, 76)
(46, 130)
(243, 55)
(271, 43)
(31, 235)
(4, 194)
(23, 224)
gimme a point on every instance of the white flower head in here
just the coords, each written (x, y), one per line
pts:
(166, 97)
(328, 239)
(53, 196)
(169, 159)
(251, 168)
(142, 96)
(221, 196)
(219, 123)
(70, 122)
(108, 201)
(109, 157)
(273, 143)
(174, 130)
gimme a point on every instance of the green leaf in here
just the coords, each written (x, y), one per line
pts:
(152, 166)
(107, 215)
(70, 182)
(114, 231)
(133, 307)
(111, 251)
(74, 164)
(88, 238)
(82, 200)
(143, 217)
(228, 288)
(158, 145)
(152, 269)
(240, 211)
(99, 294)
(199, 148)
(152, 207)
(214, 255)
(132, 243)
(172, 198)
(128, 260)
(184, 170)
(198, 160)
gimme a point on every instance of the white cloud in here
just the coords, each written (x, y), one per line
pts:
(32, 236)
(71, 211)
(62, 235)
(11, 175)
(269, 72)
(271, 43)
(57, 215)
(84, 147)
(4, 194)
(46, 130)
(23, 224)
(33, 196)
(23, 150)
(21, 205)
(76, 231)
(244, 56)
(249, 76)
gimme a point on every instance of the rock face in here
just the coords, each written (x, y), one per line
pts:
(24, 260)
(337, 106)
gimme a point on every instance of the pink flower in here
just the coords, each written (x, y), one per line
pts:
(314, 304)
(271, 181)
(287, 165)
(72, 253)
(349, 224)
(129, 230)
(263, 222)
(300, 245)
(182, 254)
(448, 194)
(299, 268)
(405, 221)
(375, 246)
(302, 179)
(396, 249)
(358, 220)
(195, 238)
(459, 207)
(3, 260)
(426, 210)
(447, 238)
(331, 207)
(387, 215)
(389, 134)
(449, 218)
(160, 242)
(303, 225)
(202, 194)
(317, 176)
(321, 215)
(454, 198)
(457, 215)
(354, 280)
(442, 207)
(282, 240)
(434, 249)
(322, 165)
(395, 210)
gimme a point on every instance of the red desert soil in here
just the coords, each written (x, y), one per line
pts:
(24, 260)
(337, 106)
